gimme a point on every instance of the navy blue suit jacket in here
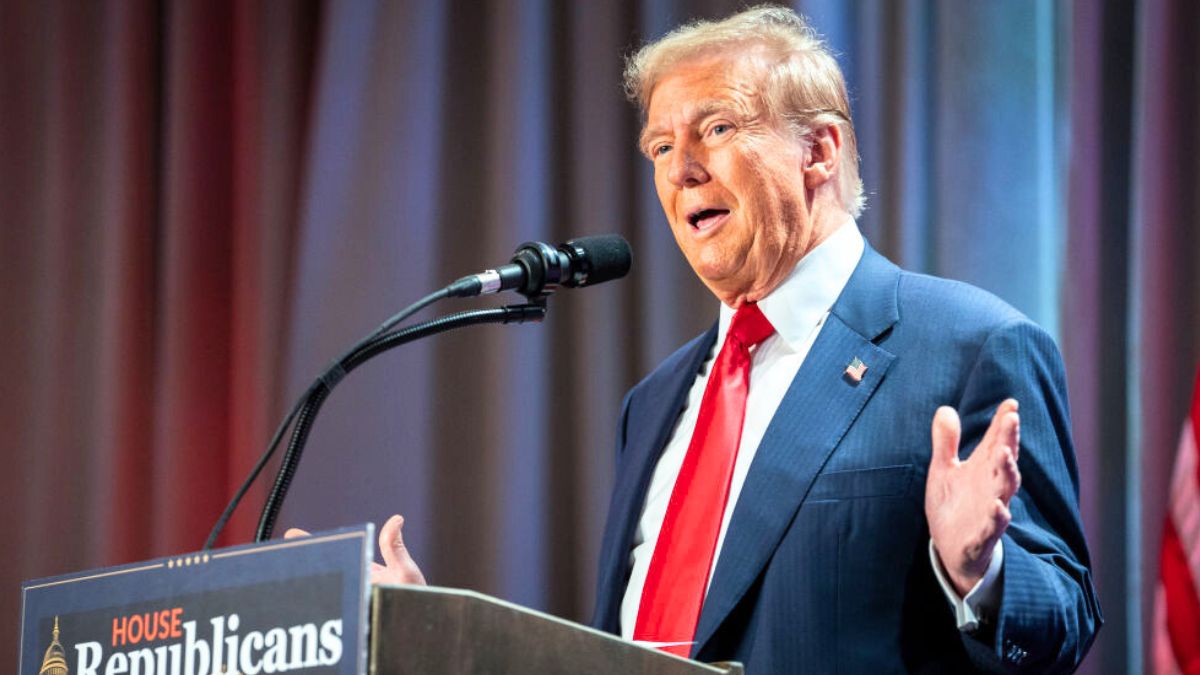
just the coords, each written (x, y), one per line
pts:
(825, 567)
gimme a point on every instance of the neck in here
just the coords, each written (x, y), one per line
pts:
(825, 222)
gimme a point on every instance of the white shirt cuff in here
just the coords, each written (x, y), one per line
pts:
(983, 597)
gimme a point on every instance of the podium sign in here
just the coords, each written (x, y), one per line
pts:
(284, 606)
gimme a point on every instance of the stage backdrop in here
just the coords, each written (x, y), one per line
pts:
(201, 203)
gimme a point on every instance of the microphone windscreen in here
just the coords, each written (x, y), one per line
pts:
(604, 256)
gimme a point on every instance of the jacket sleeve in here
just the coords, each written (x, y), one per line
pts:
(1048, 614)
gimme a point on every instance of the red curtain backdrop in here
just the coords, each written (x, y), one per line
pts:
(150, 159)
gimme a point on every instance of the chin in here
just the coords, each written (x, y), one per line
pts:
(719, 268)
(725, 288)
(713, 277)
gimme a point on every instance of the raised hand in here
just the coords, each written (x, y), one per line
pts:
(966, 502)
(398, 566)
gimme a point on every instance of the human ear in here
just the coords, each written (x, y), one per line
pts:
(823, 156)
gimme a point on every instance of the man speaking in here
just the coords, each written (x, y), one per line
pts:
(780, 499)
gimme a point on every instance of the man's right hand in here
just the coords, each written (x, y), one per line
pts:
(398, 566)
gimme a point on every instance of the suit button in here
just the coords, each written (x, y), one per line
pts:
(1014, 653)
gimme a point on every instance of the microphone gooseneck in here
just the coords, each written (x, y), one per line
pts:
(366, 351)
(537, 270)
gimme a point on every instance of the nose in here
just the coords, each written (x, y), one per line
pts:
(686, 169)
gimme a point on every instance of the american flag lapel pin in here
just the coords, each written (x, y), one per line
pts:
(856, 370)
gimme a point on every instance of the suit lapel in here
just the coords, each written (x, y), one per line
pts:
(819, 407)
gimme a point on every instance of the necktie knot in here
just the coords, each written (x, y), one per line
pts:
(749, 327)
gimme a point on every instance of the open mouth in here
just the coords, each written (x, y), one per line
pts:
(706, 218)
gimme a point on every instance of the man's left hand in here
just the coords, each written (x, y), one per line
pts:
(966, 502)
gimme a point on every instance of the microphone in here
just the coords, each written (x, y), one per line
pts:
(537, 268)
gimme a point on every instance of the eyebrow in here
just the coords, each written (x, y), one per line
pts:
(701, 111)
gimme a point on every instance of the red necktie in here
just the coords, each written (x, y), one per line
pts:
(683, 555)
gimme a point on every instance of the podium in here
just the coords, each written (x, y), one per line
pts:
(443, 631)
(302, 605)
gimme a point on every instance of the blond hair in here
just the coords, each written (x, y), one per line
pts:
(804, 85)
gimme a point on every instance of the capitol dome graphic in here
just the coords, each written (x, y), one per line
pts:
(55, 661)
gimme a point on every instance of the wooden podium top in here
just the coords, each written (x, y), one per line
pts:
(436, 631)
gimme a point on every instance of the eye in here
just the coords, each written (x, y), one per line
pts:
(660, 149)
(720, 129)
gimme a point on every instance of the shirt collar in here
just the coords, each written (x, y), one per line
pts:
(808, 293)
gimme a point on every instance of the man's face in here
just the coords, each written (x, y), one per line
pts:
(730, 180)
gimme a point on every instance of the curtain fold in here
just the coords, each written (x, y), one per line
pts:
(1097, 299)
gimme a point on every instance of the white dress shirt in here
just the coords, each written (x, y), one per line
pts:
(797, 309)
